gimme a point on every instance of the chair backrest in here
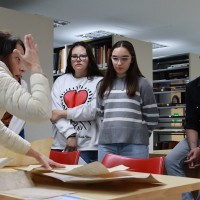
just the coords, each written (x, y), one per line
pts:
(147, 165)
(70, 158)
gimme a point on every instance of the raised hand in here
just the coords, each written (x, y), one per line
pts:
(31, 58)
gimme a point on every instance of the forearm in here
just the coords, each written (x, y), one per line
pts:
(80, 113)
(85, 112)
(58, 114)
(33, 153)
(61, 114)
(11, 140)
(192, 138)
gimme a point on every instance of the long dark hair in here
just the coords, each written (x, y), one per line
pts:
(132, 73)
(8, 43)
(92, 69)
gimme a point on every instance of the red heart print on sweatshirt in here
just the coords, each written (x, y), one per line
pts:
(73, 98)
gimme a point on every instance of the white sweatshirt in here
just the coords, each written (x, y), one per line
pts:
(78, 97)
(16, 124)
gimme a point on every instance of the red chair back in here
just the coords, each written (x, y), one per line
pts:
(147, 165)
(70, 158)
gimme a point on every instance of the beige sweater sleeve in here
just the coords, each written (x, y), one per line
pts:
(34, 106)
(12, 141)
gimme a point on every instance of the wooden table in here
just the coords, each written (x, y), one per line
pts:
(122, 190)
(156, 153)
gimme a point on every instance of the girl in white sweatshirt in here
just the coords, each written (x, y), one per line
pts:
(74, 104)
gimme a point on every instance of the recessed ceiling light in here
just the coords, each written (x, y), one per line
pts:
(59, 23)
(157, 46)
(95, 34)
(101, 33)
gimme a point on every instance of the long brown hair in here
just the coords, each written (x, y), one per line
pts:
(132, 74)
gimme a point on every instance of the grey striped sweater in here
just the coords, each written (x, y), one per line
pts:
(125, 119)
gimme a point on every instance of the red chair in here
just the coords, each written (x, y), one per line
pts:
(147, 165)
(69, 158)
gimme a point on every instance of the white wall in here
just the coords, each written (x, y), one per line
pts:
(194, 70)
(42, 30)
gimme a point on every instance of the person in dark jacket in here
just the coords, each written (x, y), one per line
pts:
(187, 151)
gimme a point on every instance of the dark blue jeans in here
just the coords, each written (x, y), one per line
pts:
(22, 133)
(89, 156)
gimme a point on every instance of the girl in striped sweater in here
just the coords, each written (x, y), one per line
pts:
(126, 105)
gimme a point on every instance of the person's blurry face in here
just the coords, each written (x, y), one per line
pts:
(15, 64)
(79, 61)
(121, 59)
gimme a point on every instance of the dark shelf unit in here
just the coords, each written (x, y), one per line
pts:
(57, 62)
(170, 76)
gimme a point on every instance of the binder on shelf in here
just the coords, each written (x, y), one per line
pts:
(170, 130)
(171, 116)
(165, 90)
(170, 104)
(55, 63)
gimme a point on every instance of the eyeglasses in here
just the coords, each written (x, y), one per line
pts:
(80, 57)
(122, 59)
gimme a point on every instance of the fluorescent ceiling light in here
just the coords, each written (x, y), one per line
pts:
(59, 23)
(157, 46)
(101, 33)
(95, 34)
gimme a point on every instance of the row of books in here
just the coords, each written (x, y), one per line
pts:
(172, 75)
(163, 89)
(59, 61)
(101, 54)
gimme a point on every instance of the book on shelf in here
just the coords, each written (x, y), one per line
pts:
(101, 55)
(170, 130)
(55, 62)
(171, 127)
(169, 104)
(171, 116)
(170, 121)
(181, 74)
(163, 89)
(174, 66)
(62, 61)
(59, 61)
